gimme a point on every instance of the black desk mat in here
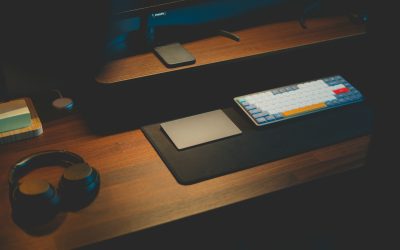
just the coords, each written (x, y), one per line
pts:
(259, 145)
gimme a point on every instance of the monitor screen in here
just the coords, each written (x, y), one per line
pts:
(129, 8)
(140, 25)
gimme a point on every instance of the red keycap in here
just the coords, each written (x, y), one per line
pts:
(341, 91)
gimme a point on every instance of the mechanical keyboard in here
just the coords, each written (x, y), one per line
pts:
(295, 100)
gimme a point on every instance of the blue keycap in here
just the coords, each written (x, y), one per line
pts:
(352, 98)
(334, 102)
(347, 85)
(327, 81)
(261, 120)
(358, 96)
(278, 116)
(329, 103)
(333, 83)
(338, 78)
(245, 103)
(257, 115)
(255, 111)
(250, 107)
(265, 113)
(269, 118)
(330, 79)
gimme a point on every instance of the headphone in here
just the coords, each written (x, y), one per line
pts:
(37, 201)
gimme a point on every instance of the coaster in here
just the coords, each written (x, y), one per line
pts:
(35, 129)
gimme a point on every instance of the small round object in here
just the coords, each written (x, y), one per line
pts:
(64, 103)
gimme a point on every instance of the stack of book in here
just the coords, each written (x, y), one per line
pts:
(18, 120)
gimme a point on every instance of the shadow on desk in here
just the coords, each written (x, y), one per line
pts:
(332, 213)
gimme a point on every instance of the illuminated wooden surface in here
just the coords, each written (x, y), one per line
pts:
(254, 41)
(139, 192)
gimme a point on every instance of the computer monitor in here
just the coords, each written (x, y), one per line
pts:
(141, 25)
(69, 38)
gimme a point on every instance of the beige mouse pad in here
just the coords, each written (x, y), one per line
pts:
(198, 129)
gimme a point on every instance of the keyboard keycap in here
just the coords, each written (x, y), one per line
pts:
(258, 115)
(298, 99)
(341, 91)
(261, 120)
(250, 107)
(304, 109)
(270, 118)
(255, 111)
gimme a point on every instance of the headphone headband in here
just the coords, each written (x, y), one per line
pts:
(42, 159)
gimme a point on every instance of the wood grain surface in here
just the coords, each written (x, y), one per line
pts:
(254, 41)
(139, 192)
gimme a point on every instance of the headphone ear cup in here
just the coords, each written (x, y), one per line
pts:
(34, 202)
(79, 186)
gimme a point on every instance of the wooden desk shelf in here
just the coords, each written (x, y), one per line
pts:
(255, 41)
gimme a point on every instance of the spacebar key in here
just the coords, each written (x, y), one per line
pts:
(304, 109)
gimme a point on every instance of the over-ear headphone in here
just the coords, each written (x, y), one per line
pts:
(37, 201)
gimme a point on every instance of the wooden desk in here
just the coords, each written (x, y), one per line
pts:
(255, 41)
(139, 192)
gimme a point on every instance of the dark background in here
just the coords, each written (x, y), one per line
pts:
(349, 211)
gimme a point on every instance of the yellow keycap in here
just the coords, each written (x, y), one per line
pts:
(304, 109)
